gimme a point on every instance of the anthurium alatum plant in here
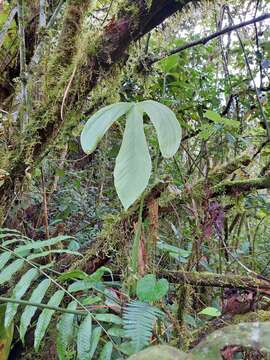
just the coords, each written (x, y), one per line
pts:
(133, 163)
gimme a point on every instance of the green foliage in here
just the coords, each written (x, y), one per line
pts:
(27, 284)
(84, 338)
(133, 163)
(65, 331)
(150, 289)
(139, 320)
(210, 311)
(45, 318)
(6, 334)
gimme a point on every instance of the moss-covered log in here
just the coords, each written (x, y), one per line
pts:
(215, 280)
(237, 187)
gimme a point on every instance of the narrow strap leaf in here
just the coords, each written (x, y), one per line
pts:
(84, 338)
(41, 244)
(10, 270)
(45, 318)
(19, 290)
(4, 259)
(49, 252)
(95, 340)
(65, 331)
(29, 311)
(106, 352)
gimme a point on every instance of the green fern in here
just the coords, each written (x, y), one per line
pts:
(17, 253)
(139, 319)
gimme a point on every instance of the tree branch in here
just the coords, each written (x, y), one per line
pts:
(151, 60)
(7, 24)
(215, 280)
(240, 186)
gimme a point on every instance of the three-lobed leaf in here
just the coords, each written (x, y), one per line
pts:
(133, 163)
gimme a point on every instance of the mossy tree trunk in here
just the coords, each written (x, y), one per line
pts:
(77, 65)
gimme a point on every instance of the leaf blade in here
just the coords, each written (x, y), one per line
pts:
(45, 318)
(99, 123)
(29, 311)
(133, 163)
(168, 129)
(84, 338)
(19, 290)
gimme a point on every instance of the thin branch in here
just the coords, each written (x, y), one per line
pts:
(23, 96)
(206, 39)
(252, 78)
(42, 13)
(7, 25)
(39, 50)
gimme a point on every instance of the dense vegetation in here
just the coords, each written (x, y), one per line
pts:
(134, 179)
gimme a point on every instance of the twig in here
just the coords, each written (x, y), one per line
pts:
(66, 92)
(23, 96)
(42, 13)
(251, 77)
(45, 205)
(7, 24)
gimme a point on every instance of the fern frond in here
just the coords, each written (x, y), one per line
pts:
(19, 290)
(16, 255)
(29, 311)
(139, 319)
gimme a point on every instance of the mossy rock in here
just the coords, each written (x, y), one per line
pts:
(160, 352)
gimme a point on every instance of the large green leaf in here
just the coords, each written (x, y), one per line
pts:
(19, 290)
(29, 311)
(45, 318)
(84, 338)
(99, 123)
(133, 163)
(149, 289)
(166, 124)
(65, 331)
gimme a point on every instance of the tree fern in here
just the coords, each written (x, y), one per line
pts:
(139, 319)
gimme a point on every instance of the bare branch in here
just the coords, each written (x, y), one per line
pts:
(7, 24)
(42, 13)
